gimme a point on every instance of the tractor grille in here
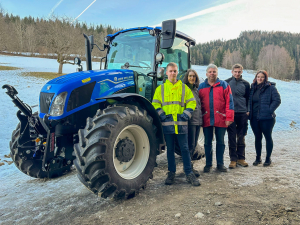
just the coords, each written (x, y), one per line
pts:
(45, 100)
(80, 96)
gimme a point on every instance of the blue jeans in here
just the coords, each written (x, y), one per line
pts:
(220, 147)
(185, 153)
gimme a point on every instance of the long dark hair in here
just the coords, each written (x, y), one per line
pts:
(264, 73)
(186, 80)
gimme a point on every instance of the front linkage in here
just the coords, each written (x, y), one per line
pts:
(35, 149)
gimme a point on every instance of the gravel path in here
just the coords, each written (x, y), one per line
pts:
(252, 195)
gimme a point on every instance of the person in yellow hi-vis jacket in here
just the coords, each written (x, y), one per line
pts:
(174, 102)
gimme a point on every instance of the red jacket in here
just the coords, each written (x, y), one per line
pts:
(216, 103)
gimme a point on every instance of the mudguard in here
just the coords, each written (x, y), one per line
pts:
(130, 98)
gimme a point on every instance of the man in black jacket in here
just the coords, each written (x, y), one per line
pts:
(238, 129)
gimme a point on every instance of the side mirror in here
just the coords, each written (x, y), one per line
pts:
(168, 33)
(77, 61)
(159, 58)
(160, 73)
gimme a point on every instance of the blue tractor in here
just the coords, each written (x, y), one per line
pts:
(102, 121)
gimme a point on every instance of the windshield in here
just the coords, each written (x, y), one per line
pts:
(177, 54)
(135, 49)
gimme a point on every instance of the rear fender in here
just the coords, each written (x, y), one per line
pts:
(136, 99)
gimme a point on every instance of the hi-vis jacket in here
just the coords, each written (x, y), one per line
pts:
(174, 104)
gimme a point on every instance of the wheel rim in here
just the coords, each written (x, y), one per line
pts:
(201, 137)
(134, 167)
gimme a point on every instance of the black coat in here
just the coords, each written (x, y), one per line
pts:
(269, 100)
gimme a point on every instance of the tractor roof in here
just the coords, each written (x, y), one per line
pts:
(178, 33)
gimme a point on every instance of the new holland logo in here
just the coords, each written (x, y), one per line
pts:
(48, 88)
(116, 79)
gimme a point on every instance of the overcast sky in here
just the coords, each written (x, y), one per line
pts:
(204, 20)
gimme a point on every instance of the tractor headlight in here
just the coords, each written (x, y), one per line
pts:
(57, 107)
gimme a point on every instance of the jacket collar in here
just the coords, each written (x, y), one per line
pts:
(169, 83)
(241, 78)
(215, 84)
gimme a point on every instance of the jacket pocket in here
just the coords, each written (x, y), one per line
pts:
(182, 125)
(168, 125)
(221, 113)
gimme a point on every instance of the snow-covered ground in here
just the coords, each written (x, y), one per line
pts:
(23, 191)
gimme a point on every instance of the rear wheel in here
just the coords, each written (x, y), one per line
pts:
(116, 152)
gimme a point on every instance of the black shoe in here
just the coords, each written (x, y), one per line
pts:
(206, 169)
(170, 179)
(191, 178)
(221, 168)
(257, 161)
(196, 172)
(267, 162)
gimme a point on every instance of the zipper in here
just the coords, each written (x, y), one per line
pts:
(204, 113)
(221, 113)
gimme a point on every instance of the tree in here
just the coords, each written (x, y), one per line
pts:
(61, 40)
(276, 61)
(226, 62)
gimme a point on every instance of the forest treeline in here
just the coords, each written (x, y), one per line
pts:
(57, 36)
(276, 52)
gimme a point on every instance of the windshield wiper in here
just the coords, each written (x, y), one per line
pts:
(127, 65)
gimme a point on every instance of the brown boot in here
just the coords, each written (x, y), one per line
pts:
(232, 164)
(242, 162)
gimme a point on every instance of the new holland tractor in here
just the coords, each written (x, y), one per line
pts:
(102, 121)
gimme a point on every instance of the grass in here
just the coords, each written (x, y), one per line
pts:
(45, 75)
(8, 68)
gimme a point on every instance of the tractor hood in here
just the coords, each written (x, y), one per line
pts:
(81, 89)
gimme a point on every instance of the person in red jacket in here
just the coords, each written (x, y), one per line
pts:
(218, 112)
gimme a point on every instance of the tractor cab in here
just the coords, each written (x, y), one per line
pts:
(146, 51)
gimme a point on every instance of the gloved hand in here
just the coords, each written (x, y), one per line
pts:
(185, 117)
(162, 116)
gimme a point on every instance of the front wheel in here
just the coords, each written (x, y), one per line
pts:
(116, 152)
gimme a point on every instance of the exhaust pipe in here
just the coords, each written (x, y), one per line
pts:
(88, 53)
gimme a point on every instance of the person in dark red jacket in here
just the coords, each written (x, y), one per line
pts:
(218, 112)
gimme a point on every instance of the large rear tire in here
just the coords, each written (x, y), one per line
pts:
(26, 163)
(116, 153)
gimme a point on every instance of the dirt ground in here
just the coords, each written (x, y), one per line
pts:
(252, 195)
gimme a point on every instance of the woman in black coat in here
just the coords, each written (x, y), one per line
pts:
(191, 79)
(263, 101)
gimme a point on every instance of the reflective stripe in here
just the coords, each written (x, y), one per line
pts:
(188, 113)
(182, 122)
(162, 94)
(156, 101)
(174, 123)
(160, 112)
(182, 104)
(191, 99)
(168, 123)
(174, 102)
(183, 93)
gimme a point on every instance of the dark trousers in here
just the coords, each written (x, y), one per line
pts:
(263, 127)
(184, 148)
(236, 136)
(193, 135)
(220, 147)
